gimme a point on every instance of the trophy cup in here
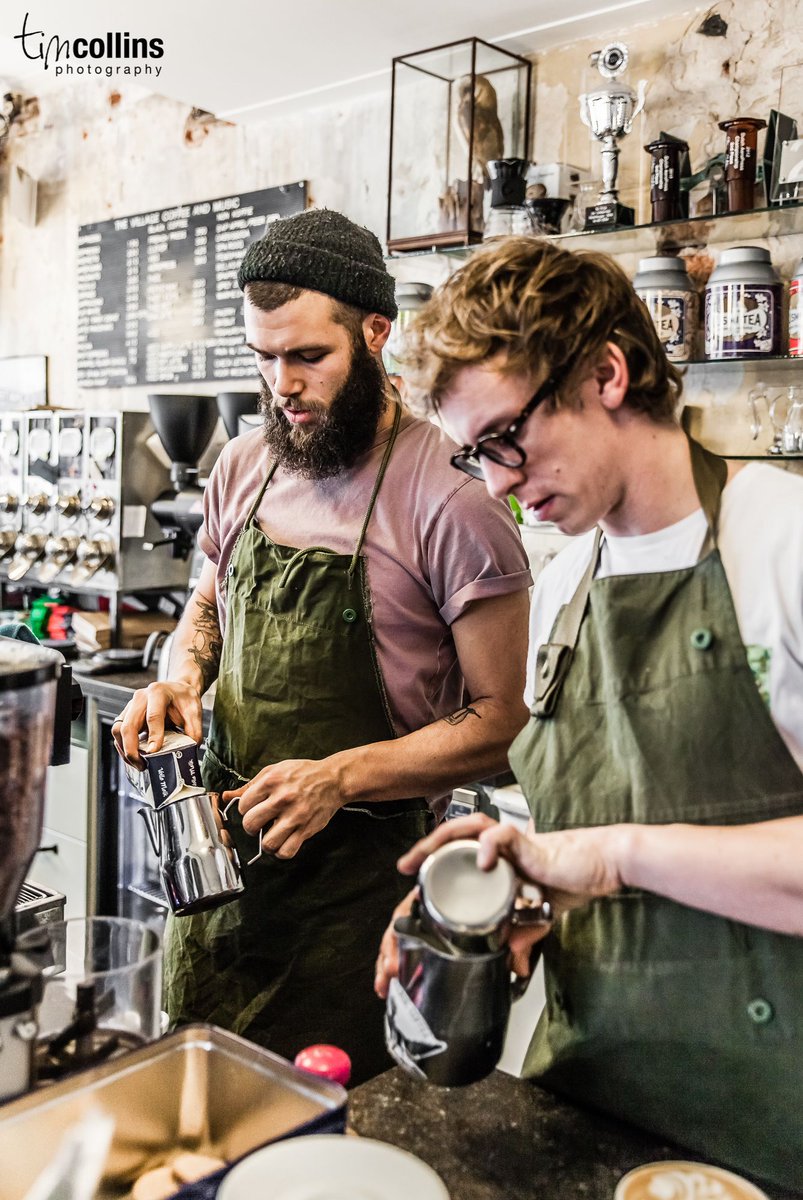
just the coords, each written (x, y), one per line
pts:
(609, 113)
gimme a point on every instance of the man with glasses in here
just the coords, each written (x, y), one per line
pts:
(662, 760)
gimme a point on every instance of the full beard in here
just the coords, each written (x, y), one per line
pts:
(342, 432)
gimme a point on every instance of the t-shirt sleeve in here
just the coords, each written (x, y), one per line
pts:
(474, 551)
(210, 535)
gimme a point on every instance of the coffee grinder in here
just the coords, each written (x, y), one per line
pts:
(185, 425)
(30, 679)
(231, 406)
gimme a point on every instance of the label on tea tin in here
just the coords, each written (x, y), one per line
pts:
(741, 319)
(795, 322)
(672, 315)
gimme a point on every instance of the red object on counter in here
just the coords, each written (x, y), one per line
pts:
(59, 621)
(328, 1062)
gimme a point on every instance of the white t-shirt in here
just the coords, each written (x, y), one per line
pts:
(761, 545)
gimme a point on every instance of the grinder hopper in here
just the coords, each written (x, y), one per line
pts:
(233, 405)
(185, 425)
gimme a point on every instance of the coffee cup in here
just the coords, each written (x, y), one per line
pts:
(684, 1181)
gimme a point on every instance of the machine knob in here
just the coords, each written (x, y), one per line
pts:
(101, 508)
(69, 506)
(31, 544)
(8, 538)
(94, 552)
(62, 548)
(9, 503)
(59, 551)
(38, 504)
(28, 548)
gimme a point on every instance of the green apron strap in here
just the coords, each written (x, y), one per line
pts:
(710, 474)
(380, 476)
(253, 511)
(555, 656)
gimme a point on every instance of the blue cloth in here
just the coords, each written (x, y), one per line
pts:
(19, 632)
(206, 1189)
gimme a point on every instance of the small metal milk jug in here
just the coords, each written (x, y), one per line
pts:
(198, 863)
(447, 1012)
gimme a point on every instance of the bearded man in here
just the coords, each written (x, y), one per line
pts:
(364, 611)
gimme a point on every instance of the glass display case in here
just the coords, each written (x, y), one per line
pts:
(454, 109)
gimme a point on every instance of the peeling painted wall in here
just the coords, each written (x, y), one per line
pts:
(99, 153)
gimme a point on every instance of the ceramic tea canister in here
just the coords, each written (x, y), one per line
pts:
(664, 286)
(743, 305)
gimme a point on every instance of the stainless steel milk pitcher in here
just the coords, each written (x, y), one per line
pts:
(198, 863)
(447, 1012)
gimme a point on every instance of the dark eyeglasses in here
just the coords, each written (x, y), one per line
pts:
(502, 448)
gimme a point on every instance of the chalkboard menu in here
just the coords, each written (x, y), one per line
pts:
(158, 300)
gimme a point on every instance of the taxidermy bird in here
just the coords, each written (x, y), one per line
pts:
(488, 136)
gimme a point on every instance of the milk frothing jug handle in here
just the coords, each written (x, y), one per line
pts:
(530, 915)
(520, 983)
(152, 826)
(533, 914)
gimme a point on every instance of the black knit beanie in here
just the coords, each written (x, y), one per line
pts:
(325, 252)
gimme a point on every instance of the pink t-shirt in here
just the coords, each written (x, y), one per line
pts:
(435, 543)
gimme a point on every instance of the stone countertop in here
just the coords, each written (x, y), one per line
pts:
(506, 1139)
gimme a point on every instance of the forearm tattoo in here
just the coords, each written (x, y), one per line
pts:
(207, 642)
(457, 718)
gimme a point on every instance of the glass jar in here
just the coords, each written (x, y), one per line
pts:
(664, 285)
(410, 297)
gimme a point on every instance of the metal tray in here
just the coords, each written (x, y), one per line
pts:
(198, 1089)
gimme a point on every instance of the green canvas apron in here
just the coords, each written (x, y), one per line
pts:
(677, 1020)
(291, 962)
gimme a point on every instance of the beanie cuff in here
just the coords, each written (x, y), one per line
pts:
(357, 284)
(323, 251)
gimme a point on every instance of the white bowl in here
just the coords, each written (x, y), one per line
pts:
(330, 1167)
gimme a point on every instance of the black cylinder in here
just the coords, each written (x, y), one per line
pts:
(233, 405)
(185, 424)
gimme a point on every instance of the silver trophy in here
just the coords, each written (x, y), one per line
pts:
(609, 113)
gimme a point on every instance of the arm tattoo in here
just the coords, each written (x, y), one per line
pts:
(207, 643)
(457, 718)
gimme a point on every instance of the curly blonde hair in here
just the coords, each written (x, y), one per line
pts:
(547, 311)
